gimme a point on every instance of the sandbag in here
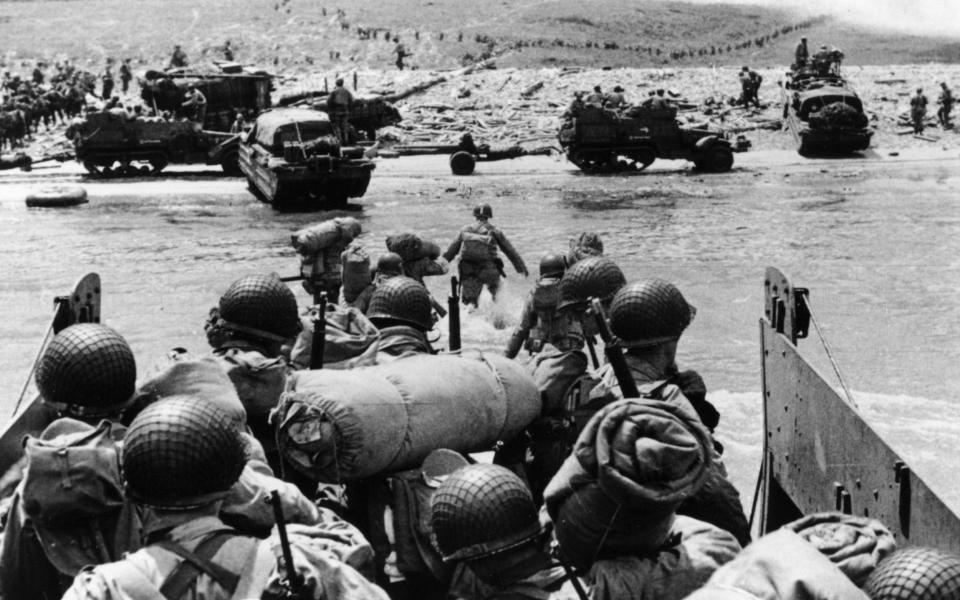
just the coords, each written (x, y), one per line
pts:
(339, 426)
(356, 271)
(348, 335)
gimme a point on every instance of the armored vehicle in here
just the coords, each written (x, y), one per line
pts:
(370, 112)
(115, 143)
(822, 110)
(228, 88)
(600, 140)
(292, 157)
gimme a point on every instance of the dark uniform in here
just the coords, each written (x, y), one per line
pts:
(107, 80)
(540, 323)
(125, 75)
(339, 106)
(479, 264)
(195, 105)
(918, 110)
(945, 101)
(801, 54)
(178, 58)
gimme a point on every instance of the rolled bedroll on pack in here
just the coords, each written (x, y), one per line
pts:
(340, 426)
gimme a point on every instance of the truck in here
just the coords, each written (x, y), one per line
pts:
(599, 140)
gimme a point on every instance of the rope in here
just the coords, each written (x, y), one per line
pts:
(833, 362)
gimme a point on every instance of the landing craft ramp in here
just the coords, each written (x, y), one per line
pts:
(820, 454)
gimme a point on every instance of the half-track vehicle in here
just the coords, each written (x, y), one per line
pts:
(370, 112)
(600, 140)
(822, 110)
(291, 157)
(114, 143)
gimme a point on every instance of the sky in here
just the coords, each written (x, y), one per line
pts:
(941, 17)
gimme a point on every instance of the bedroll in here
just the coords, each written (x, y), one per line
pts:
(338, 426)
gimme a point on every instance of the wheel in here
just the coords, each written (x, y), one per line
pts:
(718, 159)
(591, 162)
(158, 162)
(230, 163)
(462, 163)
(99, 170)
(644, 157)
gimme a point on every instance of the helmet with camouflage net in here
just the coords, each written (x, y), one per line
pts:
(481, 510)
(915, 574)
(391, 263)
(649, 312)
(402, 299)
(180, 453)
(261, 306)
(594, 277)
(483, 211)
(87, 371)
(584, 245)
(552, 265)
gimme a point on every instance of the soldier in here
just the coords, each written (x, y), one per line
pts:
(389, 265)
(945, 101)
(648, 318)
(37, 75)
(576, 105)
(239, 124)
(596, 98)
(755, 81)
(801, 54)
(661, 102)
(400, 51)
(339, 106)
(195, 104)
(180, 460)
(584, 245)
(918, 110)
(255, 321)
(484, 517)
(539, 322)
(320, 248)
(178, 58)
(227, 51)
(421, 258)
(616, 99)
(125, 75)
(746, 86)
(479, 264)
(107, 82)
(401, 309)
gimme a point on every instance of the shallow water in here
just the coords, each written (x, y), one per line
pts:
(877, 244)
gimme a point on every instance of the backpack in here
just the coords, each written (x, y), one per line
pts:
(478, 247)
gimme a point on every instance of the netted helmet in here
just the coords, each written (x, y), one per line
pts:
(87, 371)
(180, 453)
(481, 510)
(649, 312)
(594, 277)
(391, 262)
(262, 306)
(402, 299)
(552, 265)
(584, 245)
(915, 574)
(483, 211)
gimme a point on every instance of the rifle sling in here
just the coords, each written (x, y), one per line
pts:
(195, 563)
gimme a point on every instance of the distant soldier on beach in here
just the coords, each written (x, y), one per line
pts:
(179, 57)
(227, 51)
(38, 74)
(107, 80)
(125, 75)
(195, 104)
(918, 110)
(945, 101)
(801, 54)
(616, 99)
(339, 106)
(401, 52)
(596, 98)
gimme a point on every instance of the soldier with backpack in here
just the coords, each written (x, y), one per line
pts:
(540, 324)
(480, 266)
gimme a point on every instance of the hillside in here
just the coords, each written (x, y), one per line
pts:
(298, 35)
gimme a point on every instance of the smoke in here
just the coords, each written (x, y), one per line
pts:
(926, 17)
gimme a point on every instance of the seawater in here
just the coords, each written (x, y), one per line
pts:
(877, 244)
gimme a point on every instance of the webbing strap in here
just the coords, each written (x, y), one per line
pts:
(194, 564)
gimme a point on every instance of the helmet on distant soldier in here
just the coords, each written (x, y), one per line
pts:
(401, 299)
(261, 306)
(181, 453)
(649, 312)
(391, 263)
(87, 371)
(339, 81)
(915, 573)
(593, 277)
(586, 244)
(552, 265)
(483, 211)
(480, 510)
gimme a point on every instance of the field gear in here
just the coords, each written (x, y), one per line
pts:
(403, 300)
(779, 565)
(390, 263)
(399, 341)
(261, 306)
(552, 265)
(483, 211)
(320, 247)
(478, 247)
(180, 453)
(480, 510)
(632, 466)
(915, 573)
(389, 417)
(87, 371)
(411, 247)
(348, 334)
(650, 312)
(317, 238)
(355, 266)
(855, 544)
(593, 277)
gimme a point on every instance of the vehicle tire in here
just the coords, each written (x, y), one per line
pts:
(158, 162)
(718, 159)
(230, 163)
(462, 163)
(99, 171)
(57, 196)
(644, 157)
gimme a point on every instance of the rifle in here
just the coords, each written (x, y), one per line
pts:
(454, 303)
(441, 311)
(591, 346)
(319, 332)
(614, 352)
(293, 581)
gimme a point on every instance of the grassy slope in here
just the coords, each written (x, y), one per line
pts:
(298, 36)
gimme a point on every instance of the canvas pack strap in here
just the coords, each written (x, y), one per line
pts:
(196, 563)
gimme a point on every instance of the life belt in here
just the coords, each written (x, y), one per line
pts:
(57, 196)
